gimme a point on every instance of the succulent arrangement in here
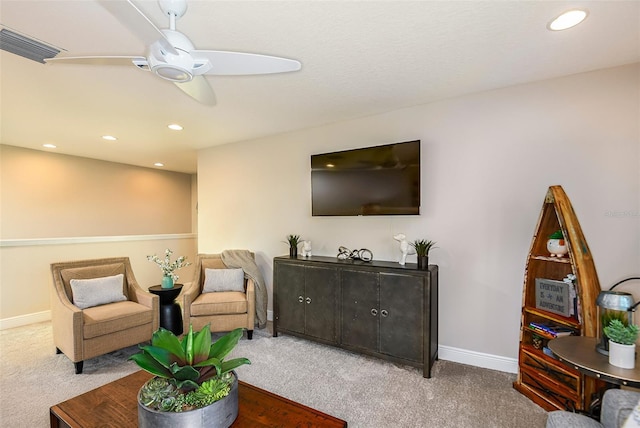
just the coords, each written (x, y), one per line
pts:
(190, 372)
(422, 247)
(618, 332)
(556, 235)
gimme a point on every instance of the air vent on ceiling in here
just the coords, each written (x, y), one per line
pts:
(25, 47)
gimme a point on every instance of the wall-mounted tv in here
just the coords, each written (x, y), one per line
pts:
(380, 180)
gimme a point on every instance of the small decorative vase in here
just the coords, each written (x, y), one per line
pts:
(623, 356)
(423, 262)
(293, 252)
(167, 281)
(557, 247)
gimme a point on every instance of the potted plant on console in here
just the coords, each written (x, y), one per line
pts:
(193, 385)
(422, 247)
(622, 343)
(293, 241)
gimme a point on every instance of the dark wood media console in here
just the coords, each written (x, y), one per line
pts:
(377, 308)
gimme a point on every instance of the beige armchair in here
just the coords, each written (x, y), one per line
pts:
(225, 310)
(100, 319)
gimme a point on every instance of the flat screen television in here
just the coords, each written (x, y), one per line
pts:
(380, 180)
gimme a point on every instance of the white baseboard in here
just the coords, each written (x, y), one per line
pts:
(21, 320)
(478, 359)
(448, 353)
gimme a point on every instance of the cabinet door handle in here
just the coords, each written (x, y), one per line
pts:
(300, 299)
(384, 313)
(374, 312)
(308, 300)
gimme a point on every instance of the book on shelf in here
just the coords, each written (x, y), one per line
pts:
(550, 329)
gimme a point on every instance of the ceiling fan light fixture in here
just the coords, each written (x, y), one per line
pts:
(172, 72)
(568, 19)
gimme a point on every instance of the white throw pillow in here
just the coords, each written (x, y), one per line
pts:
(223, 280)
(97, 291)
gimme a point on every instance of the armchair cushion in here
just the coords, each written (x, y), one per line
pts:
(107, 319)
(216, 280)
(223, 302)
(87, 293)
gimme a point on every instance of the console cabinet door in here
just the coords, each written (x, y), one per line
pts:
(402, 316)
(290, 295)
(321, 286)
(359, 318)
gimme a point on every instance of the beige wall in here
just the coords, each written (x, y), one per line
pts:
(487, 161)
(45, 195)
(56, 208)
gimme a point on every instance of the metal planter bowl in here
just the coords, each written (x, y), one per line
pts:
(220, 414)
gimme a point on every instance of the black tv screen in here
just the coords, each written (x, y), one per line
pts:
(380, 180)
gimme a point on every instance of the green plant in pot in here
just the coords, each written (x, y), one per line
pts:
(293, 241)
(193, 385)
(622, 343)
(168, 267)
(422, 247)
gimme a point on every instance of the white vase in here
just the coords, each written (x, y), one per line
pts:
(623, 356)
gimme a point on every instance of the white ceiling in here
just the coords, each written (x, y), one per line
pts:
(358, 58)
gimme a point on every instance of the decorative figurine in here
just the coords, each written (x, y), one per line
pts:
(306, 248)
(344, 254)
(405, 248)
(556, 245)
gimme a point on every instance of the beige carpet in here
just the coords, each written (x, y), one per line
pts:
(364, 391)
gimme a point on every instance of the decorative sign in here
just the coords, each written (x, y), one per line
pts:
(553, 296)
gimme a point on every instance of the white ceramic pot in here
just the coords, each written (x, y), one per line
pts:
(623, 356)
(557, 247)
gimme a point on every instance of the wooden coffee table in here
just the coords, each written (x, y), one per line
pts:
(115, 405)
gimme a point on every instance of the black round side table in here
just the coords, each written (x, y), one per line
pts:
(170, 312)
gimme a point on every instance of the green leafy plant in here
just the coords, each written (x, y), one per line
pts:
(423, 247)
(556, 235)
(293, 240)
(617, 332)
(167, 266)
(190, 372)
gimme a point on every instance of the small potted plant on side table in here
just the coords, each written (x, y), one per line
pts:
(168, 267)
(622, 343)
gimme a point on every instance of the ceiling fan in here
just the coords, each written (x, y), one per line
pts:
(171, 55)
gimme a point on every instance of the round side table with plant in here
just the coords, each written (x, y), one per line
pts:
(193, 385)
(168, 267)
(622, 343)
(422, 247)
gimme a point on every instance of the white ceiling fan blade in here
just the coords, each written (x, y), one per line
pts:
(137, 22)
(199, 89)
(240, 63)
(139, 61)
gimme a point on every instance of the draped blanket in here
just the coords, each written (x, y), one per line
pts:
(234, 259)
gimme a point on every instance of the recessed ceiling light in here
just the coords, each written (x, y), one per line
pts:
(175, 127)
(109, 138)
(568, 19)
(158, 164)
(49, 146)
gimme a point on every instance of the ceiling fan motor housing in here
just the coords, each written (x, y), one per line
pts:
(176, 68)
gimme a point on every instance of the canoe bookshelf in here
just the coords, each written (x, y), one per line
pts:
(545, 380)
